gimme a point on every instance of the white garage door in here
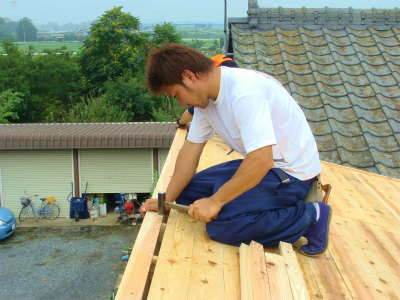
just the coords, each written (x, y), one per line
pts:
(116, 170)
(42, 172)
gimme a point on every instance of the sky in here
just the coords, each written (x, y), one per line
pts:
(158, 11)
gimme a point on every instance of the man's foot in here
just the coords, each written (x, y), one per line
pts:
(317, 235)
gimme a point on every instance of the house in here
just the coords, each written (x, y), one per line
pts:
(343, 68)
(57, 159)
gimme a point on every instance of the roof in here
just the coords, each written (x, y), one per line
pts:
(86, 135)
(343, 68)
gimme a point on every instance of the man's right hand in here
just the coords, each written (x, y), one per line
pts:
(148, 205)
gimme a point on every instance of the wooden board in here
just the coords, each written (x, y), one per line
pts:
(192, 266)
(361, 261)
(136, 273)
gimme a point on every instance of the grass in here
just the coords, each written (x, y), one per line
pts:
(40, 46)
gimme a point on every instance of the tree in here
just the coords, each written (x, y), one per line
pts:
(26, 31)
(9, 102)
(164, 34)
(5, 32)
(115, 45)
(95, 110)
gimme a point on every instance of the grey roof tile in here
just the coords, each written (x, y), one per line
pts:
(344, 115)
(388, 159)
(384, 80)
(361, 159)
(308, 102)
(350, 129)
(315, 115)
(320, 127)
(376, 129)
(370, 115)
(366, 103)
(351, 143)
(336, 102)
(332, 156)
(326, 143)
(344, 74)
(382, 143)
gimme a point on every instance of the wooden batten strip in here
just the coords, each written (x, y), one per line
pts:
(297, 283)
(279, 284)
(253, 273)
(134, 280)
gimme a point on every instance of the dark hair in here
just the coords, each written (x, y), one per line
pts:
(229, 63)
(165, 65)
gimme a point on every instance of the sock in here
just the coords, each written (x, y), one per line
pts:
(317, 210)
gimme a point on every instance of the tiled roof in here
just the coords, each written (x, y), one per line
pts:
(343, 68)
(86, 135)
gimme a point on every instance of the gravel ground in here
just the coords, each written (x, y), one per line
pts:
(64, 262)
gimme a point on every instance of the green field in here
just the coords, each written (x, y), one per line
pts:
(40, 46)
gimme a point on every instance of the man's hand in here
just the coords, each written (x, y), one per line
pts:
(204, 209)
(149, 205)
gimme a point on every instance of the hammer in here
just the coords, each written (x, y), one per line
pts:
(162, 204)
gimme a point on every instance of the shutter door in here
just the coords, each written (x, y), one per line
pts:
(42, 172)
(116, 170)
(162, 157)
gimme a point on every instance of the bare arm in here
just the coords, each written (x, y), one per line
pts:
(250, 172)
(185, 168)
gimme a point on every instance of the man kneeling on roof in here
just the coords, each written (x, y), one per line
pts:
(259, 197)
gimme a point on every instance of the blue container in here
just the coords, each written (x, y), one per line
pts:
(79, 205)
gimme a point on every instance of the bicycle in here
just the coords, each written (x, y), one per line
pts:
(48, 208)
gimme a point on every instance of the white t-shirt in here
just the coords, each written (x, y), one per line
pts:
(253, 110)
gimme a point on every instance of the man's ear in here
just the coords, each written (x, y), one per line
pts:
(188, 75)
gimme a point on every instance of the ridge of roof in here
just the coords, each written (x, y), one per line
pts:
(319, 16)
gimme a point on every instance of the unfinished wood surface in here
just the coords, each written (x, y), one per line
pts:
(279, 284)
(136, 273)
(297, 283)
(362, 260)
(254, 282)
(192, 266)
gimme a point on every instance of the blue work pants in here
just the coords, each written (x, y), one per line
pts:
(270, 212)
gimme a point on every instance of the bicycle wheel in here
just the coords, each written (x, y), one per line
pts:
(23, 213)
(51, 211)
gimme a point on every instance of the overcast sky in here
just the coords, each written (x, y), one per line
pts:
(157, 11)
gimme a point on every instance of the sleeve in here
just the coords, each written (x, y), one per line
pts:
(253, 116)
(191, 110)
(200, 130)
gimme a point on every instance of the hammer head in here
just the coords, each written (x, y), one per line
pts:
(161, 200)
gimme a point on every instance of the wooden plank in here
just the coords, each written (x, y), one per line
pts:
(297, 283)
(171, 275)
(136, 273)
(279, 284)
(246, 273)
(206, 280)
(231, 273)
(134, 279)
(260, 274)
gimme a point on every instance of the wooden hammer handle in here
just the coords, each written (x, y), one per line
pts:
(178, 207)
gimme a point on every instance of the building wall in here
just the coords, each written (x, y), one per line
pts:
(42, 172)
(116, 170)
(51, 172)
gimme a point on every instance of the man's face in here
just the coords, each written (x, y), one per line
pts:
(190, 93)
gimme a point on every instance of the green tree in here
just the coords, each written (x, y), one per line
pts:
(95, 110)
(26, 31)
(115, 45)
(164, 34)
(5, 32)
(9, 103)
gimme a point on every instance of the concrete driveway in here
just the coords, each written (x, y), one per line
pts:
(72, 262)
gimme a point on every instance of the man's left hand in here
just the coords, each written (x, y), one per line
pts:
(204, 210)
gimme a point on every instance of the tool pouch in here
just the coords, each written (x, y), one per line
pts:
(316, 191)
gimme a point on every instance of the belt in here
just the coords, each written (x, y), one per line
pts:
(281, 174)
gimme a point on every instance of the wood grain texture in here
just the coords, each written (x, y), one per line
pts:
(136, 273)
(297, 284)
(279, 284)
